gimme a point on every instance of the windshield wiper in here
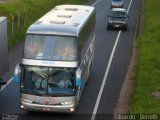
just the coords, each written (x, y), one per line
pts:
(61, 94)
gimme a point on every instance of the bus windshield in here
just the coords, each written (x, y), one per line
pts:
(58, 48)
(48, 81)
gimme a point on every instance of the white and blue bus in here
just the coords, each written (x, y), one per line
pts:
(57, 59)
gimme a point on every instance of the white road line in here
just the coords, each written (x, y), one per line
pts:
(107, 71)
(95, 3)
(8, 82)
(105, 78)
(129, 6)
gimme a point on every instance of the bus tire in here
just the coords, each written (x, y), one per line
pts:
(78, 96)
(89, 70)
(108, 27)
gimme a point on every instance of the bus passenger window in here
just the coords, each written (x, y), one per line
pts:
(39, 51)
(30, 50)
(59, 54)
(34, 47)
(69, 53)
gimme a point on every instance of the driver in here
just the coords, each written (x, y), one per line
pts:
(65, 82)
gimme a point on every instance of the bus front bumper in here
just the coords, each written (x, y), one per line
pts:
(47, 108)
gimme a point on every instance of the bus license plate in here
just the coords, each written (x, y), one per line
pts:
(116, 25)
(46, 109)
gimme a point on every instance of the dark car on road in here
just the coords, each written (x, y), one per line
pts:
(117, 18)
(116, 3)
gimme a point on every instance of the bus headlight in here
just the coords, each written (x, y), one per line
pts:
(110, 21)
(67, 103)
(22, 106)
(123, 22)
(27, 101)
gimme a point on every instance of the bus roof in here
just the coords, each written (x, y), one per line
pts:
(62, 20)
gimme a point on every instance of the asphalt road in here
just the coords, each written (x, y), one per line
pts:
(112, 56)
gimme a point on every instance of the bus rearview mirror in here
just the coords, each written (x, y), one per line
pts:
(78, 77)
(16, 77)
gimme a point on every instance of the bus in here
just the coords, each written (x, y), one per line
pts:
(57, 59)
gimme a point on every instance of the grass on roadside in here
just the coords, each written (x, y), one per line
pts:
(147, 69)
(22, 13)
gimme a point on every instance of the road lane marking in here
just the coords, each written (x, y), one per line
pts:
(95, 3)
(8, 82)
(105, 78)
(129, 6)
(107, 71)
